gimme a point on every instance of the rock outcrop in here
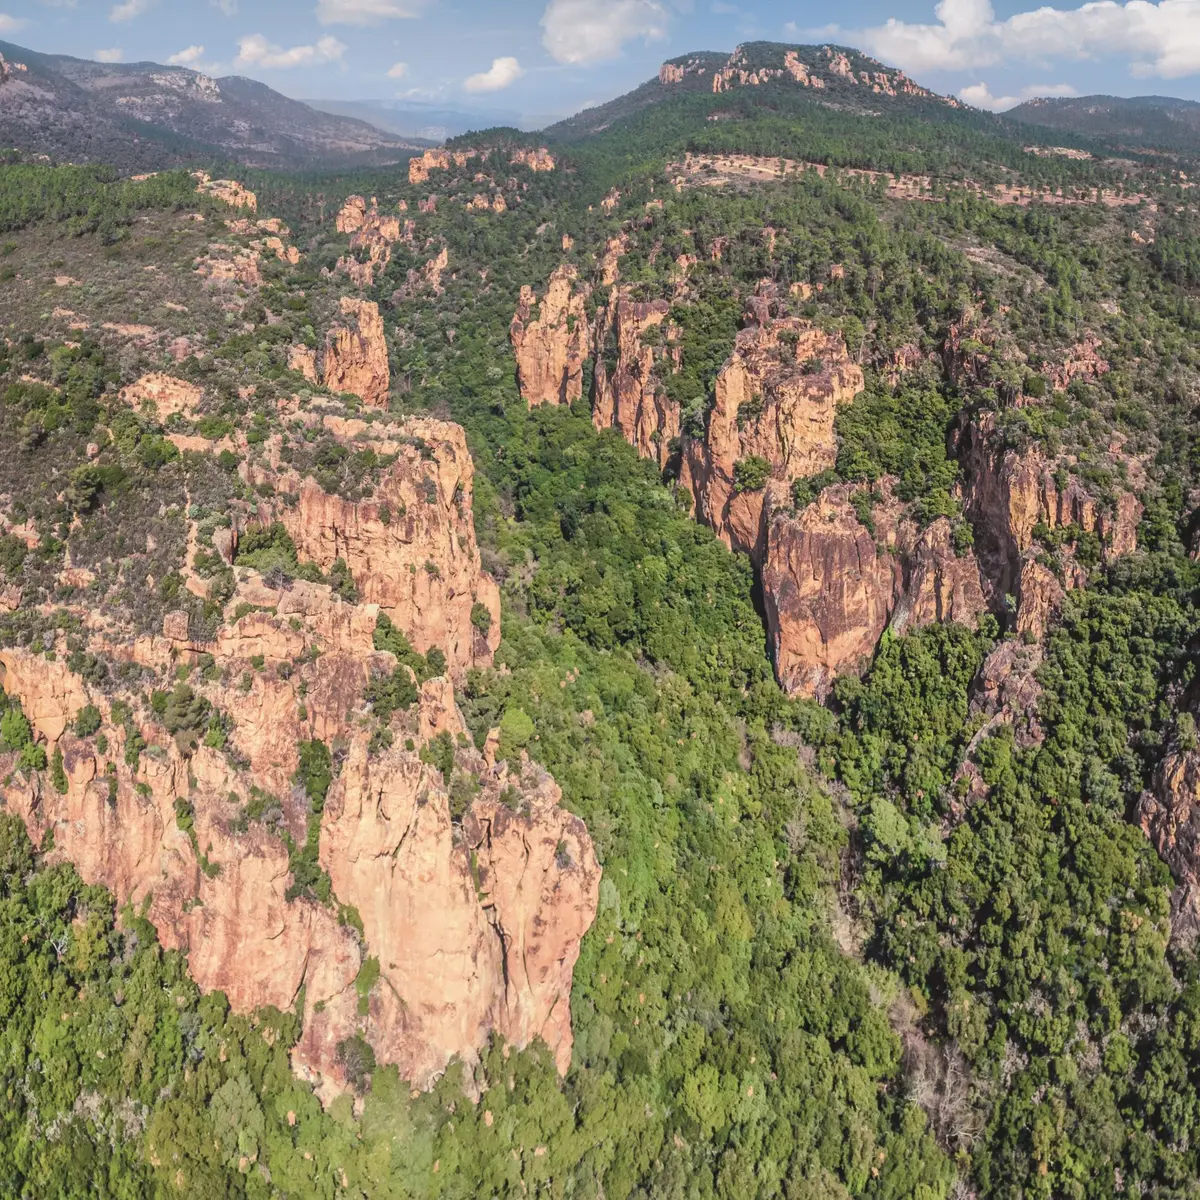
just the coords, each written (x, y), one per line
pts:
(476, 928)
(437, 160)
(1169, 815)
(776, 400)
(831, 586)
(551, 340)
(228, 191)
(632, 398)
(467, 915)
(411, 548)
(372, 236)
(356, 354)
(1010, 495)
(165, 394)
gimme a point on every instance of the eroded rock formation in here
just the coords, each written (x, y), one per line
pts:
(1011, 495)
(551, 340)
(411, 548)
(1169, 815)
(473, 915)
(832, 586)
(776, 400)
(372, 236)
(632, 398)
(356, 354)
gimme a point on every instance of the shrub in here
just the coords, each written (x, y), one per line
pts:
(751, 474)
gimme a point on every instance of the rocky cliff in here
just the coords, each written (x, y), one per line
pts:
(551, 341)
(1014, 495)
(372, 235)
(776, 400)
(356, 354)
(1169, 815)
(831, 585)
(386, 904)
(410, 548)
(631, 398)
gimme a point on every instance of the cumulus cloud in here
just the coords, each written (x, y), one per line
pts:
(367, 12)
(256, 51)
(11, 24)
(1158, 38)
(980, 95)
(398, 71)
(186, 57)
(115, 55)
(130, 9)
(586, 31)
(502, 72)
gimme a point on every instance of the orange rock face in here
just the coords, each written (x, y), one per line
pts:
(411, 548)
(437, 160)
(356, 354)
(1169, 815)
(372, 235)
(303, 360)
(831, 586)
(551, 340)
(776, 399)
(536, 160)
(461, 954)
(1008, 495)
(474, 915)
(632, 398)
(228, 191)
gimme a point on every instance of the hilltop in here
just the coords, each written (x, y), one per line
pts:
(1137, 122)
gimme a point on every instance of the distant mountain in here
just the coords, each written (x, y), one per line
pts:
(838, 76)
(146, 115)
(430, 122)
(1138, 122)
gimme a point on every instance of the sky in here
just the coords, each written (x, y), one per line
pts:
(549, 58)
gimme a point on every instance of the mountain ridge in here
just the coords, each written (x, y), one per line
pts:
(145, 115)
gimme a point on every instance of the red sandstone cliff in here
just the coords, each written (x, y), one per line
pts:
(475, 917)
(1169, 815)
(356, 354)
(372, 235)
(551, 341)
(831, 586)
(776, 399)
(632, 399)
(411, 547)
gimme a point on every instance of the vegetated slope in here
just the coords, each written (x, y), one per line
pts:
(826, 104)
(1141, 122)
(147, 115)
(917, 940)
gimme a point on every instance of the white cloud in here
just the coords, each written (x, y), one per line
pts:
(503, 71)
(1158, 38)
(256, 51)
(130, 9)
(11, 24)
(367, 12)
(398, 71)
(586, 31)
(115, 55)
(980, 95)
(187, 57)
(228, 7)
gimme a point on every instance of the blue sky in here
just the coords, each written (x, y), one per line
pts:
(556, 56)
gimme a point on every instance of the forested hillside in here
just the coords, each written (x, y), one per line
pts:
(652, 661)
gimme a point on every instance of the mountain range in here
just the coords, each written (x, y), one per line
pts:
(146, 115)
